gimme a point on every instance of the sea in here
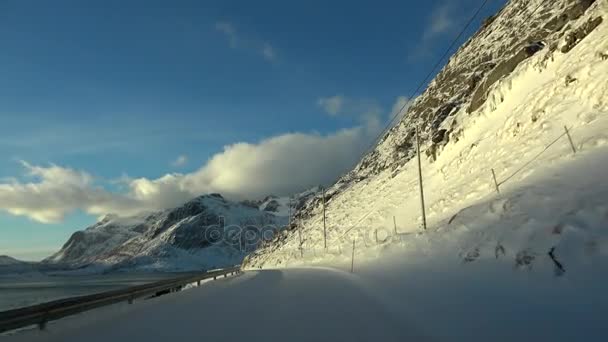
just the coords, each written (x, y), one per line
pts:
(23, 290)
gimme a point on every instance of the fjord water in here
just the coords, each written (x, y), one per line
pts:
(20, 290)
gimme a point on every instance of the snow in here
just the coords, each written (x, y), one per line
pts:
(259, 306)
(529, 263)
(173, 240)
(284, 203)
(525, 112)
(6, 260)
(398, 300)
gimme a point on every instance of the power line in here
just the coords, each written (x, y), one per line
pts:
(469, 22)
(447, 51)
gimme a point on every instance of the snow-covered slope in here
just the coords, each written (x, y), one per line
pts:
(206, 232)
(6, 260)
(280, 206)
(501, 100)
(10, 265)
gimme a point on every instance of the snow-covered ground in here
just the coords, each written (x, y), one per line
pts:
(402, 300)
(294, 305)
(530, 263)
(555, 199)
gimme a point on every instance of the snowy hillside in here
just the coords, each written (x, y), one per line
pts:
(6, 260)
(206, 232)
(280, 206)
(10, 265)
(500, 103)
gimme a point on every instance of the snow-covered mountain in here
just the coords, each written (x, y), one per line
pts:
(10, 265)
(280, 206)
(6, 260)
(501, 100)
(206, 232)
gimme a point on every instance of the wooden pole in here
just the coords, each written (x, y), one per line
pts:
(289, 211)
(420, 179)
(324, 226)
(376, 236)
(352, 260)
(395, 225)
(570, 139)
(495, 182)
(301, 247)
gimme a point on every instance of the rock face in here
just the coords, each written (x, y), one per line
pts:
(206, 232)
(520, 30)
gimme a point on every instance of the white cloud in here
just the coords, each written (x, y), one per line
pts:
(363, 109)
(55, 192)
(268, 52)
(440, 22)
(180, 161)
(278, 165)
(332, 105)
(239, 41)
(229, 31)
(400, 108)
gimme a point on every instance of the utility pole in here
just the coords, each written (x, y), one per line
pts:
(495, 182)
(352, 260)
(289, 210)
(570, 140)
(420, 179)
(395, 224)
(299, 230)
(324, 226)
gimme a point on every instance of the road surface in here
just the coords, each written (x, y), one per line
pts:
(309, 304)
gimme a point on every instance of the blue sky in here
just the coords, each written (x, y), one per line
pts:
(138, 105)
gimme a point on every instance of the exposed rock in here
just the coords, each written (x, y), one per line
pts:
(503, 69)
(504, 41)
(471, 255)
(524, 259)
(574, 37)
(569, 79)
(171, 236)
(272, 206)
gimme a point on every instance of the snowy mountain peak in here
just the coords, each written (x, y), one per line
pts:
(7, 260)
(199, 234)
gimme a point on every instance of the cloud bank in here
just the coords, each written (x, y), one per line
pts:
(279, 165)
(238, 41)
